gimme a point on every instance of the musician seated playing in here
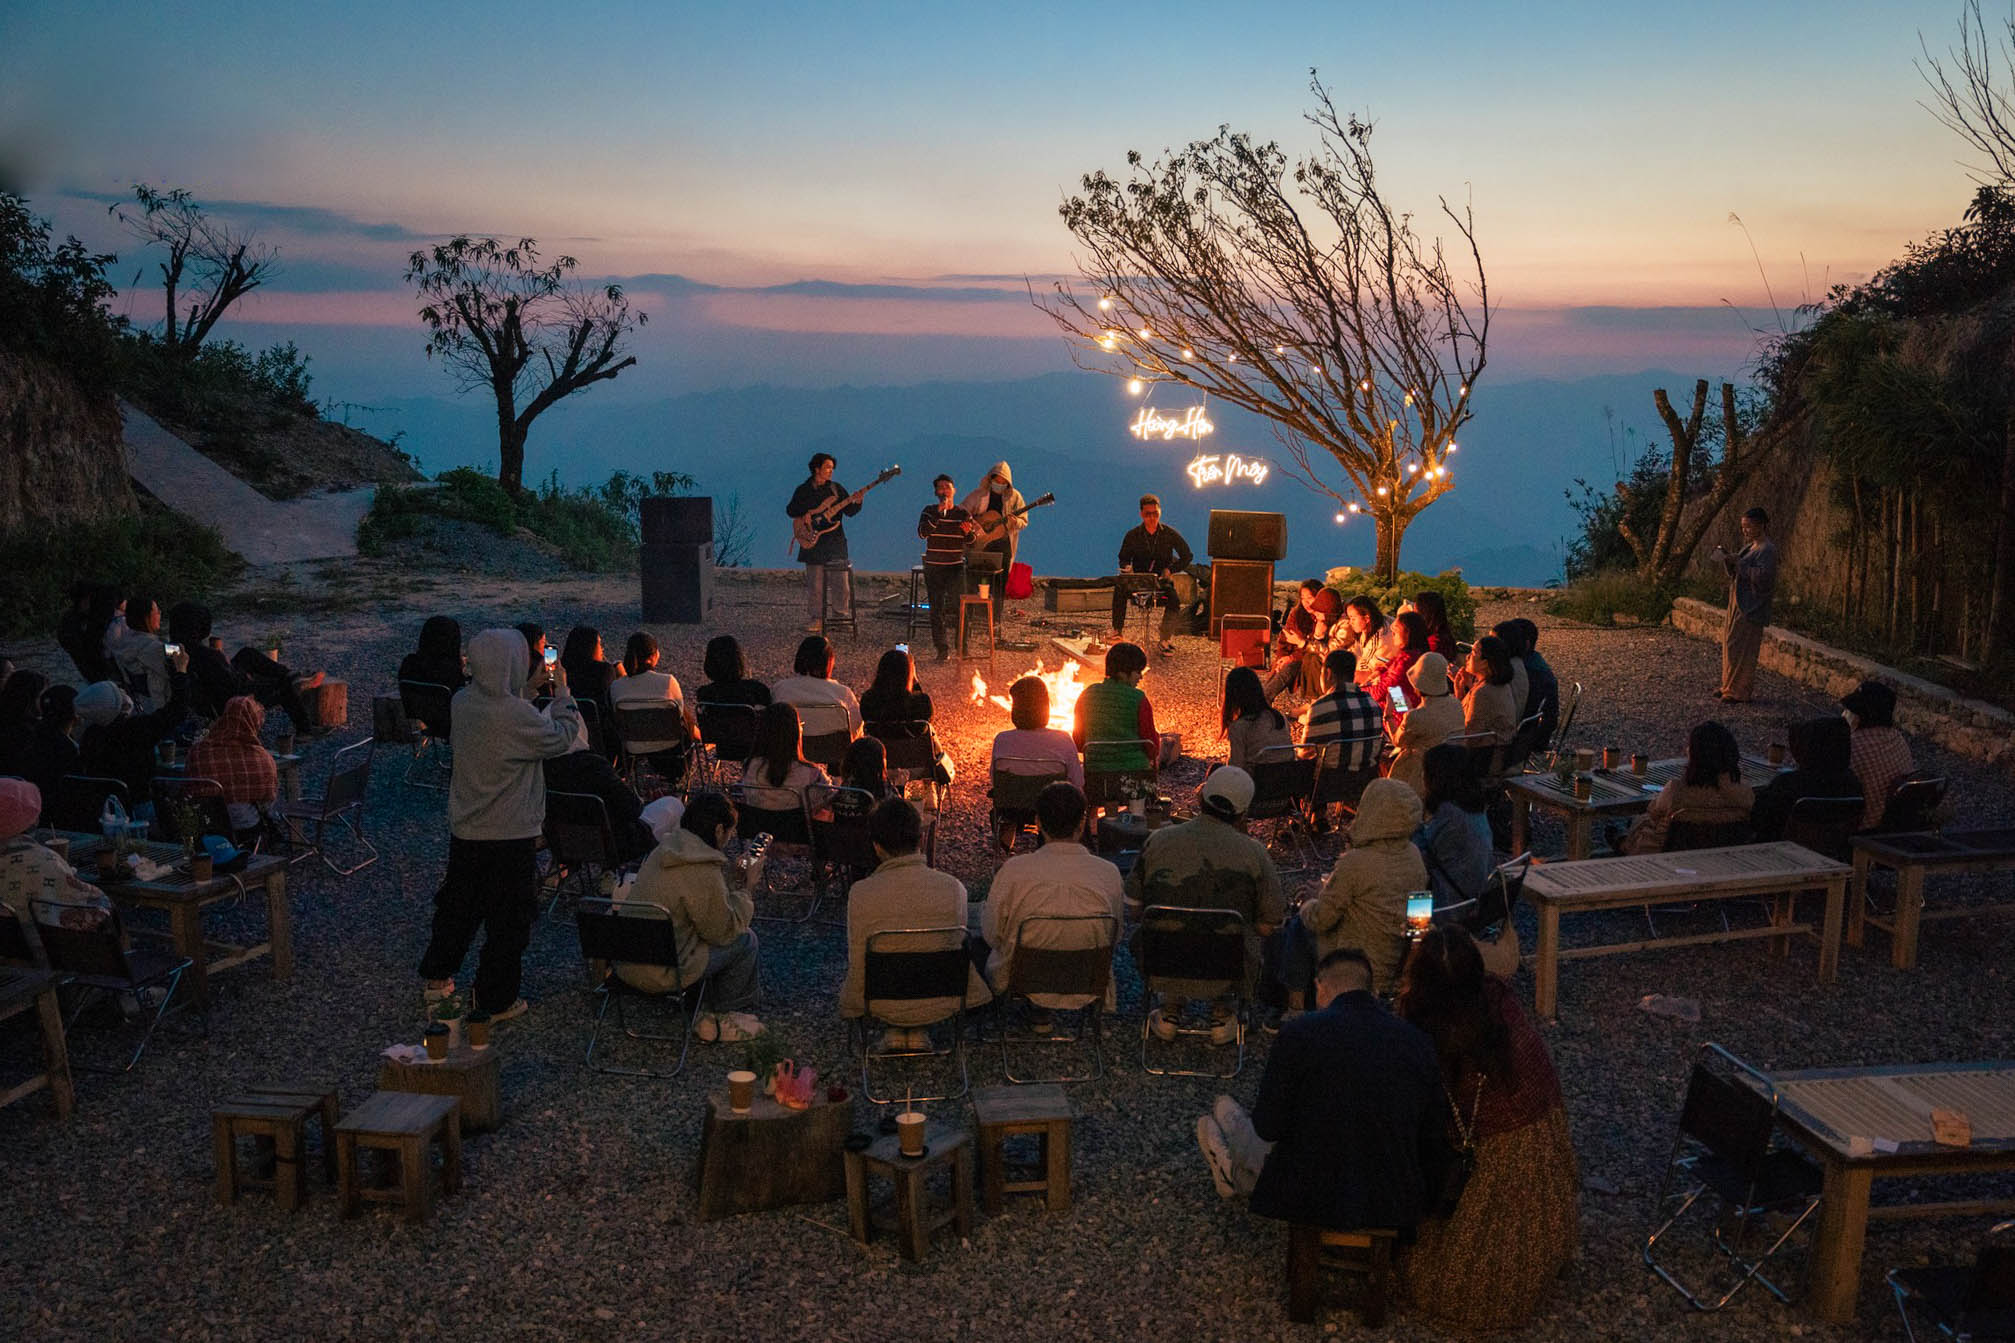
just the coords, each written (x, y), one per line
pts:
(1153, 549)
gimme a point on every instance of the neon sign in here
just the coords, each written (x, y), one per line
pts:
(1151, 423)
(1227, 469)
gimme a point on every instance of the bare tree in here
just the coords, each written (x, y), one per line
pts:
(1299, 293)
(209, 265)
(1663, 556)
(1970, 90)
(734, 533)
(500, 319)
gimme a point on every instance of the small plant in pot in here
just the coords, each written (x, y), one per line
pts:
(762, 1055)
(450, 1013)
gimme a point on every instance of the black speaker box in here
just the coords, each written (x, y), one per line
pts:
(685, 521)
(1236, 535)
(678, 583)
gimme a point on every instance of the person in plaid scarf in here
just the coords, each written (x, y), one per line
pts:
(230, 753)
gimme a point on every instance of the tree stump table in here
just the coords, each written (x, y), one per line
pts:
(915, 1221)
(771, 1157)
(469, 1075)
(1044, 1111)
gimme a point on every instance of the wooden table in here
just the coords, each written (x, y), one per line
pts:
(1613, 793)
(771, 1157)
(23, 988)
(1910, 856)
(184, 899)
(1781, 870)
(1823, 1108)
(469, 1075)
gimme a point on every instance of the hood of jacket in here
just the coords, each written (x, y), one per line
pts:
(1389, 809)
(497, 662)
(682, 848)
(999, 469)
(189, 623)
(441, 638)
(239, 723)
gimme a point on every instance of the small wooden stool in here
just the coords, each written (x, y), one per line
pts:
(279, 1113)
(915, 1221)
(469, 1075)
(398, 1121)
(1367, 1254)
(967, 602)
(1042, 1110)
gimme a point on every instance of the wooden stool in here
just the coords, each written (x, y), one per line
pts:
(914, 1220)
(916, 617)
(967, 602)
(1365, 1253)
(469, 1075)
(398, 1121)
(279, 1113)
(1043, 1110)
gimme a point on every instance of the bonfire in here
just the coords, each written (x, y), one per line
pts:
(1064, 689)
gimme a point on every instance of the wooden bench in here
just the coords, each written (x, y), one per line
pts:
(1911, 856)
(406, 1125)
(469, 1075)
(1043, 1110)
(915, 1221)
(1367, 1254)
(276, 1113)
(1780, 870)
(24, 989)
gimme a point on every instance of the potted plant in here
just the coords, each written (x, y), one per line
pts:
(449, 1012)
(762, 1055)
(188, 821)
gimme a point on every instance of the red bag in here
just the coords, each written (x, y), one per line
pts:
(1020, 582)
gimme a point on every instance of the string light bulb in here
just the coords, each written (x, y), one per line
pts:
(1464, 390)
(1355, 508)
(1188, 353)
(1364, 386)
(1280, 349)
(1231, 359)
(1409, 398)
(1146, 334)
(1105, 304)
(1383, 491)
(1134, 386)
(1454, 447)
(1339, 517)
(1412, 467)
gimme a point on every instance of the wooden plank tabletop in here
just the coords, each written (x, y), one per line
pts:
(1735, 870)
(1948, 846)
(1896, 1103)
(84, 848)
(1621, 790)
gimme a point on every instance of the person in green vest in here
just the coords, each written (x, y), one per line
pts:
(1116, 715)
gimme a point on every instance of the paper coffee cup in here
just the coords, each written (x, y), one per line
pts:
(1640, 764)
(1610, 756)
(910, 1132)
(1776, 752)
(986, 589)
(741, 1090)
(59, 846)
(1584, 757)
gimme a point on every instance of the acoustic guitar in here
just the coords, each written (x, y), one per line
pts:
(807, 528)
(991, 525)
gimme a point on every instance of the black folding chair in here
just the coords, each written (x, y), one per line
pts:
(1569, 704)
(791, 825)
(97, 960)
(1339, 783)
(1017, 780)
(580, 845)
(641, 730)
(1106, 775)
(909, 744)
(206, 796)
(1283, 791)
(1194, 952)
(1913, 805)
(429, 707)
(1685, 830)
(1724, 1147)
(906, 965)
(1067, 956)
(1966, 1303)
(1824, 824)
(842, 852)
(1494, 904)
(727, 733)
(80, 801)
(614, 933)
(341, 802)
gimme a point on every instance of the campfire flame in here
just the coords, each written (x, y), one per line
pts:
(1063, 692)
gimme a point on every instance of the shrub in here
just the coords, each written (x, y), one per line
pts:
(157, 549)
(1598, 598)
(594, 528)
(1453, 587)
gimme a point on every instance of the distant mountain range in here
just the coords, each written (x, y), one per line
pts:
(1066, 432)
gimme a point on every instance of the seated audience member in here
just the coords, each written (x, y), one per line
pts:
(1116, 711)
(80, 631)
(1434, 718)
(30, 872)
(1062, 879)
(586, 662)
(1371, 637)
(1350, 1127)
(1486, 702)
(727, 671)
(437, 660)
(1455, 838)
(535, 642)
(1032, 739)
(1409, 644)
(1518, 1223)
(1211, 863)
(894, 700)
(777, 776)
(1363, 903)
(213, 678)
(1877, 750)
(1344, 713)
(117, 743)
(20, 718)
(229, 753)
(140, 655)
(687, 877)
(1542, 687)
(832, 706)
(582, 770)
(643, 682)
(53, 752)
(1512, 633)
(1249, 723)
(1304, 639)
(1822, 751)
(1433, 609)
(902, 893)
(1710, 792)
(865, 767)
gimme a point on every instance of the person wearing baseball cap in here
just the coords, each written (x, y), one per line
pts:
(1877, 750)
(945, 528)
(1211, 863)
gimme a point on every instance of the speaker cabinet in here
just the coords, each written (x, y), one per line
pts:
(1236, 535)
(1239, 587)
(678, 583)
(685, 521)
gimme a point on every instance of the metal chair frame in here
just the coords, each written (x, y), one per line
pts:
(69, 813)
(641, 721)
(1683, 833)
(1215, 951)
(1020, 788)
(429, 736)
(580, 845)
(1101, 785)
(1073, 970)
(635, 933)
(1284, 780)
(1823, 824)
(1960, 1300)
(840, 845)
(930, 972)
(98, 961)
(786, 825)
(713, 719)
(342, 800)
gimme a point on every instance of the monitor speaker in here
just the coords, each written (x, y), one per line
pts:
(1236, 535)
(685, 521)
(678, 583)
(1239, 587)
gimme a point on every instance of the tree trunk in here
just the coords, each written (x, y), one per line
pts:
(1390, 529)
(2004, 553)
(510, 452)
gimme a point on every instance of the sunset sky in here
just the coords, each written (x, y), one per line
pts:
(907, 148)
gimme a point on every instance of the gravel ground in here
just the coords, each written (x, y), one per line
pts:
(576, 1216)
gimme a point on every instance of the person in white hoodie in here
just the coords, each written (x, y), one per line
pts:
(496, 809)
(997, 494)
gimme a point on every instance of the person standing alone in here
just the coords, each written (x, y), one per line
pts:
(831, 546)
(944, 527)
(1752, 574)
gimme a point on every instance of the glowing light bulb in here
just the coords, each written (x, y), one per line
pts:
(1339, 517)
(1453, 447)
(1409, 398)
(1231, 359)
(1146, 334)
(1356, 509)
(1105, 305)
(1188, 353)
(1383, 491)
(1464, 390)
(1364, 386)
(1280, 349)
(1134, 385)
(1412, 467)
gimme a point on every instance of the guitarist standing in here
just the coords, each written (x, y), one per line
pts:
(821, 490)
(997, 495)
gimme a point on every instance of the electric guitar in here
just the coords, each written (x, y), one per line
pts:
(809, 527)
(991, 525)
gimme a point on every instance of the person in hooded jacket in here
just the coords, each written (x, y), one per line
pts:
(687, 877)
(214, 679)
(1363, 904)
(496, 810)
(230, 754)
(1435, 716)
(53, 752)
(116, 742)
(997, 494)
(1820, 748)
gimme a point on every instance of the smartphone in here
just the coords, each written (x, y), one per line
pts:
(1399, 700)
(552, 656)
(1420, 909)
(902, 648)
(171, 649)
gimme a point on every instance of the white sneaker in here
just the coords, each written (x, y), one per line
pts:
(1163, 1028)
(516, 1009)
(734, 1027)
(1216, 1155)
(1224, 1032)
(707, 1027)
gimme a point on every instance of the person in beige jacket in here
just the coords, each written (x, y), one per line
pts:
(1062, 879)
(903, 892)
(686, 876)
(1363, 904)
(1436, 716)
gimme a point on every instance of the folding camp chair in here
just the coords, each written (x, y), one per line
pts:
(615, 933)
(1193, 952)
(788, 825)
(641, 731)
(580, 845)
(1017, 780)
(842, 852)
(1067, 956)
(1976, 1302)
(727, 733)
(911, 965)
(1283, 789)
(97, 959)
(428, 706)
(342, 801)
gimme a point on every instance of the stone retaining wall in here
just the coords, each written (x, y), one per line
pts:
(1967, 727)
